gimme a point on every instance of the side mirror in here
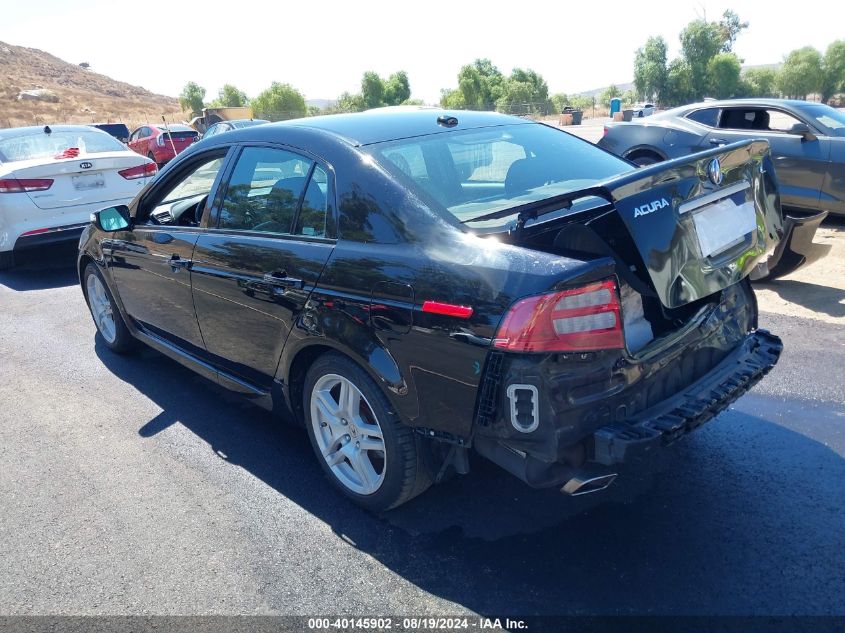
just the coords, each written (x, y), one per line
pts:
(803, 130)
(112, 219)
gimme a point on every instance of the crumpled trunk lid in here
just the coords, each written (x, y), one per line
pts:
(700, 223)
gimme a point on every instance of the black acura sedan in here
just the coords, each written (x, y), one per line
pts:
(414, 285)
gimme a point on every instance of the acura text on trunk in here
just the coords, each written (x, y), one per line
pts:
(413, 285)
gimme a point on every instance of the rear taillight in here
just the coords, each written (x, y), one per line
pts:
(606, 130)
(579, 319)
(160, 140)
(140, 171)
(24, 185)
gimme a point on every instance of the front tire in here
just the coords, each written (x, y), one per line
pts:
(360, 442)
(110, 324)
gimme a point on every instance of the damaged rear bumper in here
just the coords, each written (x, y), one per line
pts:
(796, 247)
(549, 418)
(697, 404)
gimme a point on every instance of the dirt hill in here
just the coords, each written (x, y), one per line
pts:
(36, 88)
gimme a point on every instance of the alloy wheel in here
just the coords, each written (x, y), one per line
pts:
(348, 434)
(98, 301)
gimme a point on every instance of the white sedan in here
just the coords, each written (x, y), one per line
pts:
(53, 177)
(643, 109)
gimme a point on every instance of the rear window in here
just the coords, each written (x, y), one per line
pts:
(471, 173)
(118, 130)
(706, 116)
(181, 134)
(32, 145)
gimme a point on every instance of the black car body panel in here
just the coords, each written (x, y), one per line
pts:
(252, 311)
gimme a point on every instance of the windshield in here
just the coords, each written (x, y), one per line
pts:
(471, 173)
(40, 145)
(833, 120)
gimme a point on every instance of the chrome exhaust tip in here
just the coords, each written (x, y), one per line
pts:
(584, 484)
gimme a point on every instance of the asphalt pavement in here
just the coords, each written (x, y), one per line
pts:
(129, 485)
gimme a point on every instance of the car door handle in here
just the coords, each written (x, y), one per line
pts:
(718, 141)
(177, 263)
(277, 278)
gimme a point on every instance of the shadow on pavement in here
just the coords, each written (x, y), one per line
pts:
(812, 296)
(743, 517)
(44, 269)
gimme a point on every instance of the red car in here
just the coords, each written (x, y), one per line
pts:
(162, 144)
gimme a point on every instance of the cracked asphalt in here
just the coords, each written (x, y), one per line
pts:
(129, 485)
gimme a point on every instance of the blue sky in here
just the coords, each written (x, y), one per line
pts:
(323, 47)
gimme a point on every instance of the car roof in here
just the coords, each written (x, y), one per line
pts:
(173, 127)
(15, 131)
(377, 126)
(725, 103)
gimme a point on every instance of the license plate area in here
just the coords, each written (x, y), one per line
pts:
(87, 182)
(723, 224)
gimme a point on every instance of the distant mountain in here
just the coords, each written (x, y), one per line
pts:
(37, 88)
(320, 103)
(595, 92)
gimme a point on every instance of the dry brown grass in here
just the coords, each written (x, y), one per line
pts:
(84, 96)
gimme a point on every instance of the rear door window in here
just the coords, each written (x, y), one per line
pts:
(315, 213)
(757, 119)
(264, 191)
(705, 116)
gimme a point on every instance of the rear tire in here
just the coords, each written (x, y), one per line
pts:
(345, 411)
(643, 160)
(7, 260)
(111, 327)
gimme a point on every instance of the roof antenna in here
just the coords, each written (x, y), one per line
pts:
(47, 130)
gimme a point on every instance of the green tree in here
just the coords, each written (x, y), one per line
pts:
(413, 102)
(730, 26)
(723, 75)
(582, 102)
(700, 42)
(452, 99)
(801, 73)
(397, 89)
(524, 92)
(481, 84)
(372, 90)
(230, 97)
(650, 69)
(516, 98)
(679, 88)
(279, 102)
(192, 98)
(759, 82)
(833, 70)
(348, 102)
(611, 92)
(559, 101)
